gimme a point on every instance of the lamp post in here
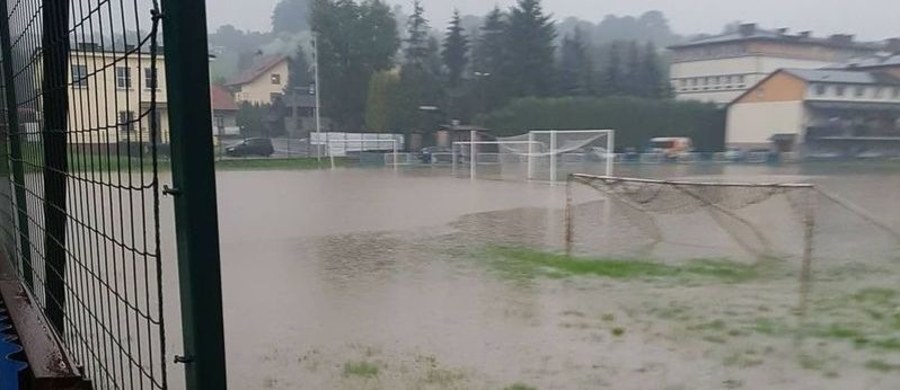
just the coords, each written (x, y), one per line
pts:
(482, 78)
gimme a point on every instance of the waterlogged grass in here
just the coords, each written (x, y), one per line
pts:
(279, 163)
(360, 369)
(519, 386)
(529, 262)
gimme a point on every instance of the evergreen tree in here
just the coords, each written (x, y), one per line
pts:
(576, 67)
(416, 50)
(300, 76)
(491, 46)
(657, 86)
(634, 84)
(530, 50)
(455, 51)
(612, 73)
(291, 16)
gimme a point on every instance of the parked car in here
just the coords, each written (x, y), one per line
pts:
(428, 152)
(251, 147)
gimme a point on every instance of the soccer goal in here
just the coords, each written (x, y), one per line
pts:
(745, 222)
(549, 154)
(538, 155)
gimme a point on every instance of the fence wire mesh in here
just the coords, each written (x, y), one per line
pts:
(83, 113)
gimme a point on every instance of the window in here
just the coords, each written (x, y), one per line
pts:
(150, 80)
(79, 76)
(821, 89)
(860, 91)
(878, 93)
(126, 121)
(740, 79)
(840, 90)
(123, 78)
(276, 79)
(896, 93)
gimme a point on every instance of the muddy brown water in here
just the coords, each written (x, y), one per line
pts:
(370, 279)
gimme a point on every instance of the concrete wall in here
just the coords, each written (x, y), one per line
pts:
(753, 124)
(723, 80)
(261, 89)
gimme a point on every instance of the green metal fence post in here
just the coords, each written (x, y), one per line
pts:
(15, 149)
(55, 57)
(193, 175)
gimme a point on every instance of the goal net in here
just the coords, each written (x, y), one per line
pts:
(676, 221)
(546, 155)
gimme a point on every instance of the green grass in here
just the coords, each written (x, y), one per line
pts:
(519, 386)
(279, 163)
(361, 368)
(881, 366)
(528, 262)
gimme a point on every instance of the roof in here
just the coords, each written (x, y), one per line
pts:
(749, 32)
(843, 76)
(874, 61)
(262, 66)
(222, 99)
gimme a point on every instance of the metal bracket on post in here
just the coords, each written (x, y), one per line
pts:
(194, 187)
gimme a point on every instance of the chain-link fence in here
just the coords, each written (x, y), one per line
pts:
(84, 111)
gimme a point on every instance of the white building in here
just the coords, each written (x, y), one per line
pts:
(720, 68)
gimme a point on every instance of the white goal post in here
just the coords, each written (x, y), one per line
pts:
(473, 152)
(556, 149)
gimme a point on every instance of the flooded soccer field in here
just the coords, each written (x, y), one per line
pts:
(414, 279)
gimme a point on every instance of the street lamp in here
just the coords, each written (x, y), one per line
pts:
(482, 76)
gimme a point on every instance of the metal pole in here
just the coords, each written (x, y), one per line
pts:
(809, 224)
(394, 145)
(472, 149)
(530, 155)
(610, 152)
(194, 181)
(15, 151)
(570, 228)
(552, 156)
(55, 102)
(315, 43)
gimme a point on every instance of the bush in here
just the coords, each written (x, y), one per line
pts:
(635, 120)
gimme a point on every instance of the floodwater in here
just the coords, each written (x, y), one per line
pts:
(377, 279)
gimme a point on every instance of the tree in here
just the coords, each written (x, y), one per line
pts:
(576, 67)
(634, 84)
(656, 85)
(612, 74)
(456, 51)
(291, 16)
(530, 50)
(381, 107)
(354, 41)
(300, 76)
(488, 62)
(416, 50)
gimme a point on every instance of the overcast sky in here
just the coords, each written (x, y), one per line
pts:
(868, 19)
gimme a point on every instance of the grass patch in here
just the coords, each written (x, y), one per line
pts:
(362, 369)
(880, 366)
(528, 262)
(519, 386)
(618, 332)
(278, 164)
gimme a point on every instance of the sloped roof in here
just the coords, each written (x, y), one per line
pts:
(875, 61)
(222, 99)
(261, 67)
(844, 76)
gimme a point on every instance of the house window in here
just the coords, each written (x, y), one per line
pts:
(276, 79)
(840, 90)
(79, 76)
(150, 80)
(126, 121)
(860, 91)
(896, 93)
(740, 79)
(878, 93)
(123, 78)
(821, 89)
